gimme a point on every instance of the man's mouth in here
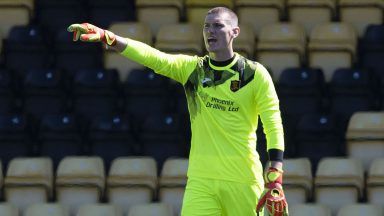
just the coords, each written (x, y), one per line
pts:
(211, 40)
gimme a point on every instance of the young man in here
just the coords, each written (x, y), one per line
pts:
(226, 94)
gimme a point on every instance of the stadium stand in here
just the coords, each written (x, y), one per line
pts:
(99, 210)
(280, 46)
(259, 13)
(332, 46)
(172, 182)
(134, 30)
(375, 182)
(313, 209)
(298, 180)
(8, 93)
(338, 182)
(372, 49)
(17, 12)
(159, 13)
(152, 209)
(7, 209)
(364, 136)
(46, 209)
(245, 42)
(132, 181)
(28, 181)
(80, 180)
(360, 209)
(360, 14)
(311, 13)
(197, 9)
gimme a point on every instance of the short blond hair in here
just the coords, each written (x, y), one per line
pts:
(234, 21)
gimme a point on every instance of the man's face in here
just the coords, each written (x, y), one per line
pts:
(218, 32)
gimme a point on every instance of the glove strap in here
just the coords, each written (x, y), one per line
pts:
(109, 38)
(274, 175)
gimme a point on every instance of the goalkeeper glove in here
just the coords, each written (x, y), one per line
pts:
(90, 33)
(273, 197)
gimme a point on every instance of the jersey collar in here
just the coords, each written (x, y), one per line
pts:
(227, 67)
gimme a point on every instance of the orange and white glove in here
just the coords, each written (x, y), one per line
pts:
(90, 33)
(273, 198)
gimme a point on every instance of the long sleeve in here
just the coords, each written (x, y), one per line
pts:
(174, 66)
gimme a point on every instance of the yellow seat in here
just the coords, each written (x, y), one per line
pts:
(310, 13)
(80, 180)
(259, 13)
(28, 181)
(361, 209)
(281, 45)
(360, 14)
(15, 12)
(365, 137)
(158, 13)
(151, 209)
(99, 209)
(338, 182)
(332, 46)
(375, 182)
(131, 181)
(173, 179)
(180, 38)
(134, 30)
(7, 209)
(244, 44)
(46, 209)
(298, 180)
(196, 10)
(309, 209)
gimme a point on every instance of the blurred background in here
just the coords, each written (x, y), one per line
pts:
(85, 131)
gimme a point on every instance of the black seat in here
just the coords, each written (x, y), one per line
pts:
(44, 92)
(8, 95)
(112, 136)
(372, 48)
(95, 92)
(60, 135)
(26, 48)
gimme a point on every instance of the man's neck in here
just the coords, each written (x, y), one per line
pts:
(223, 56)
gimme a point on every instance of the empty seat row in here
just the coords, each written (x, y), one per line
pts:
(346, 210)
(82, 180)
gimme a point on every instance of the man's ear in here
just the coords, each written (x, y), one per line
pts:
(236, 32)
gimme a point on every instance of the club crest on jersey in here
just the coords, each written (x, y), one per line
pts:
(235, 85)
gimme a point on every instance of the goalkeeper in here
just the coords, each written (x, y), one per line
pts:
(226, 94)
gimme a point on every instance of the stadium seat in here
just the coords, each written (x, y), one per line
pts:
(317, 136)
(15, 137)
(159, 13)
(196, 10)
(313, 209)
(372, 49)
(173, 179)
(360, 209)
(259, 13)
(44, 92)
(152, 209)
(114, 60)
(7, 209)
(8, 92)
(1, 179)
(60, 135)
(351, 90)
(163, 135)
(365, 135)
(180, 38)
(104, 13)
(28, 181)
(142, 88)
(46, 209)
(244, 44)
(360, 14)
(375, 182)
(28, 43)
(99, 210)
(16, 12)
(72, 56)
(131, 181)
(338, 182)
(280, 46)
(314, 12)
(56, 15)
(112, 136)
(95, 92)
(79, 181)
(332, 46)
(298, 182)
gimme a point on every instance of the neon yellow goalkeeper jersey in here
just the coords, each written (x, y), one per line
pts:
(224, 105)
